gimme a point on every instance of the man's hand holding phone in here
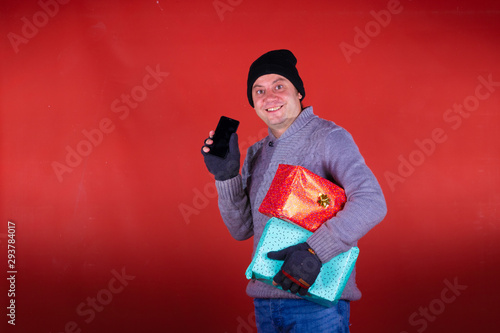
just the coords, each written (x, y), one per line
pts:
(220, 150)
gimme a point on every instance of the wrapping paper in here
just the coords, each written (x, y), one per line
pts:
(300, 196)
(279, 234)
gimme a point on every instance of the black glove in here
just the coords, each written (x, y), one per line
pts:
(224, 168)
(300, 269)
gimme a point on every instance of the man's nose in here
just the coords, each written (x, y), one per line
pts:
(270, 95)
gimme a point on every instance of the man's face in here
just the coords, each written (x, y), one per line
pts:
(276, 101)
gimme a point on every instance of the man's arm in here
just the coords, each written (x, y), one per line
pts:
(234, 204)
(234, 207)
(365, 206)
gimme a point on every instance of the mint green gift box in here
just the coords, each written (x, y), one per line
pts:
(279, 234)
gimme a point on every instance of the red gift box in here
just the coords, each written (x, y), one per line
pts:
(300, 196)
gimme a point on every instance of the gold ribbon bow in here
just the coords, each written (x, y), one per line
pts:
(323, 200)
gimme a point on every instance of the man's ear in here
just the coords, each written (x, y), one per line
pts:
(300, 95)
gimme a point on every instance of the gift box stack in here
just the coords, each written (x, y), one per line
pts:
(299, 202)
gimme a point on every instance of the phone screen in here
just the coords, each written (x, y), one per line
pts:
(225, 128)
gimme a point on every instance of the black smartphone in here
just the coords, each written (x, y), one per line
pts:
(225, 128)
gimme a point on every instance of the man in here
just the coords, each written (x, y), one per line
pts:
(297, 137)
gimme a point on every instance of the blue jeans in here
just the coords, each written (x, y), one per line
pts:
(298, 315)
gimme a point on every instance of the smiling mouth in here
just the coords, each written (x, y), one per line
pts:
(276, 108)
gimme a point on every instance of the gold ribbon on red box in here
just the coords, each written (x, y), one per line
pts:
(300, 196)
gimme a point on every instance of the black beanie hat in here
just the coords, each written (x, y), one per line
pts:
(280, 62)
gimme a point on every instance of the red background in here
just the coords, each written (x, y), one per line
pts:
(142, 202)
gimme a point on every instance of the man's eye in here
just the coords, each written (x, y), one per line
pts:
(260, 92)
(279, 86)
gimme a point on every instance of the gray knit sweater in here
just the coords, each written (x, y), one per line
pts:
(330, 152)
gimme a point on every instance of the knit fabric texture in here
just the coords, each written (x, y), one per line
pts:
(329, 151)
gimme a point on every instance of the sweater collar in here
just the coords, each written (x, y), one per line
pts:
(304, 117)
